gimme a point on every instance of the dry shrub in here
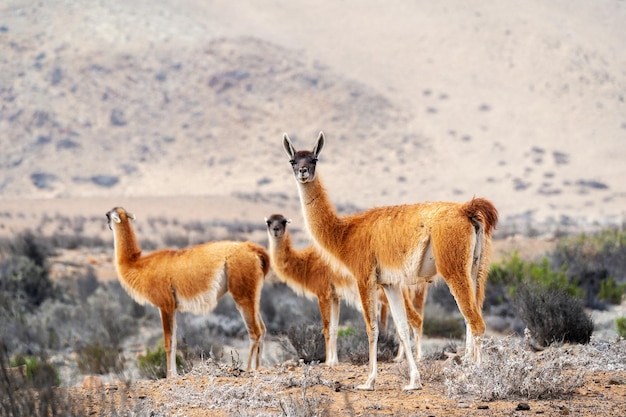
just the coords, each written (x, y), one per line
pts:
(260, 393)
(354, 346)
(509, 370)
(307, 340)
(552, 315)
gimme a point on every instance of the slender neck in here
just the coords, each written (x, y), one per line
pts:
(319, 214)
(281, 248)
(126, 246)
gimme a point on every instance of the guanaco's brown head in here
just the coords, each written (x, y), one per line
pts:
(303, 162)
(118, 215)
(276, 225)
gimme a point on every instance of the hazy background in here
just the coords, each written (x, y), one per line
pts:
(116, 102)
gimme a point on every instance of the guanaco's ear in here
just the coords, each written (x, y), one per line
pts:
(115, 217)
(319, 145)
(288, 221)
(267, 221)
(288, 145)
(131, 216)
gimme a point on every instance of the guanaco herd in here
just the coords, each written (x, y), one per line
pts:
(383, 256)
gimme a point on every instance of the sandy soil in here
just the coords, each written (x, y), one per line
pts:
(603, 394)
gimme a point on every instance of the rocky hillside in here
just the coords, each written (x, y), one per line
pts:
(524, 105)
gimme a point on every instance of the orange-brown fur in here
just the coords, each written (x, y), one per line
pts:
(304, 271)
(192, 279)
(401, 245)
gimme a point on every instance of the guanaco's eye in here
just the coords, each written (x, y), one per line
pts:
(292, 162)
(314, 160)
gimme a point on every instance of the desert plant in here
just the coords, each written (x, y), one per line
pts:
(440, 323)
(41, 398)
(26, 278)
(153, 365)
(552, 315)
(95, 358)
(306, 405)
(611, 291)
(589, 259)
(40, 373)
(353, 346)
(507, 276)
(620, 322)
(307, 339)
(345, 332)
(510, 371)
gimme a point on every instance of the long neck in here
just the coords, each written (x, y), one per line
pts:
(289, 263)
(320, 217)
(126, 246)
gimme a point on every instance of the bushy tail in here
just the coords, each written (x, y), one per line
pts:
(264, 257)
(483, 211)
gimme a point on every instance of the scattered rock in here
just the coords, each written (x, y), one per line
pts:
(92, 382)
(522, 407)
(118, 118)
(43, 180)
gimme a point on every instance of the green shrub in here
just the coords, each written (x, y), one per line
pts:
(506, 277)
(553, 315)
(611, 291)
(39, 372)
(589, 259)
(348, 331)
(153, 365)
(354, 347)
(621, 326)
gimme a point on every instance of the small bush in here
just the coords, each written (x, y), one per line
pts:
(39, 372)
(308, 341)
(439, 323)
(552, 315)
(153, 365)
(588, 259)
(24, 279)
(510, 274)
(611, 291)
(42, 399)
(348, 331)
(94, 358)
(508, 370)
(621, 326)
(354, 347)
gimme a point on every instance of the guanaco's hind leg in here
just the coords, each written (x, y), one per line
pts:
(168, 320)
(463, 292)
(256, 332)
